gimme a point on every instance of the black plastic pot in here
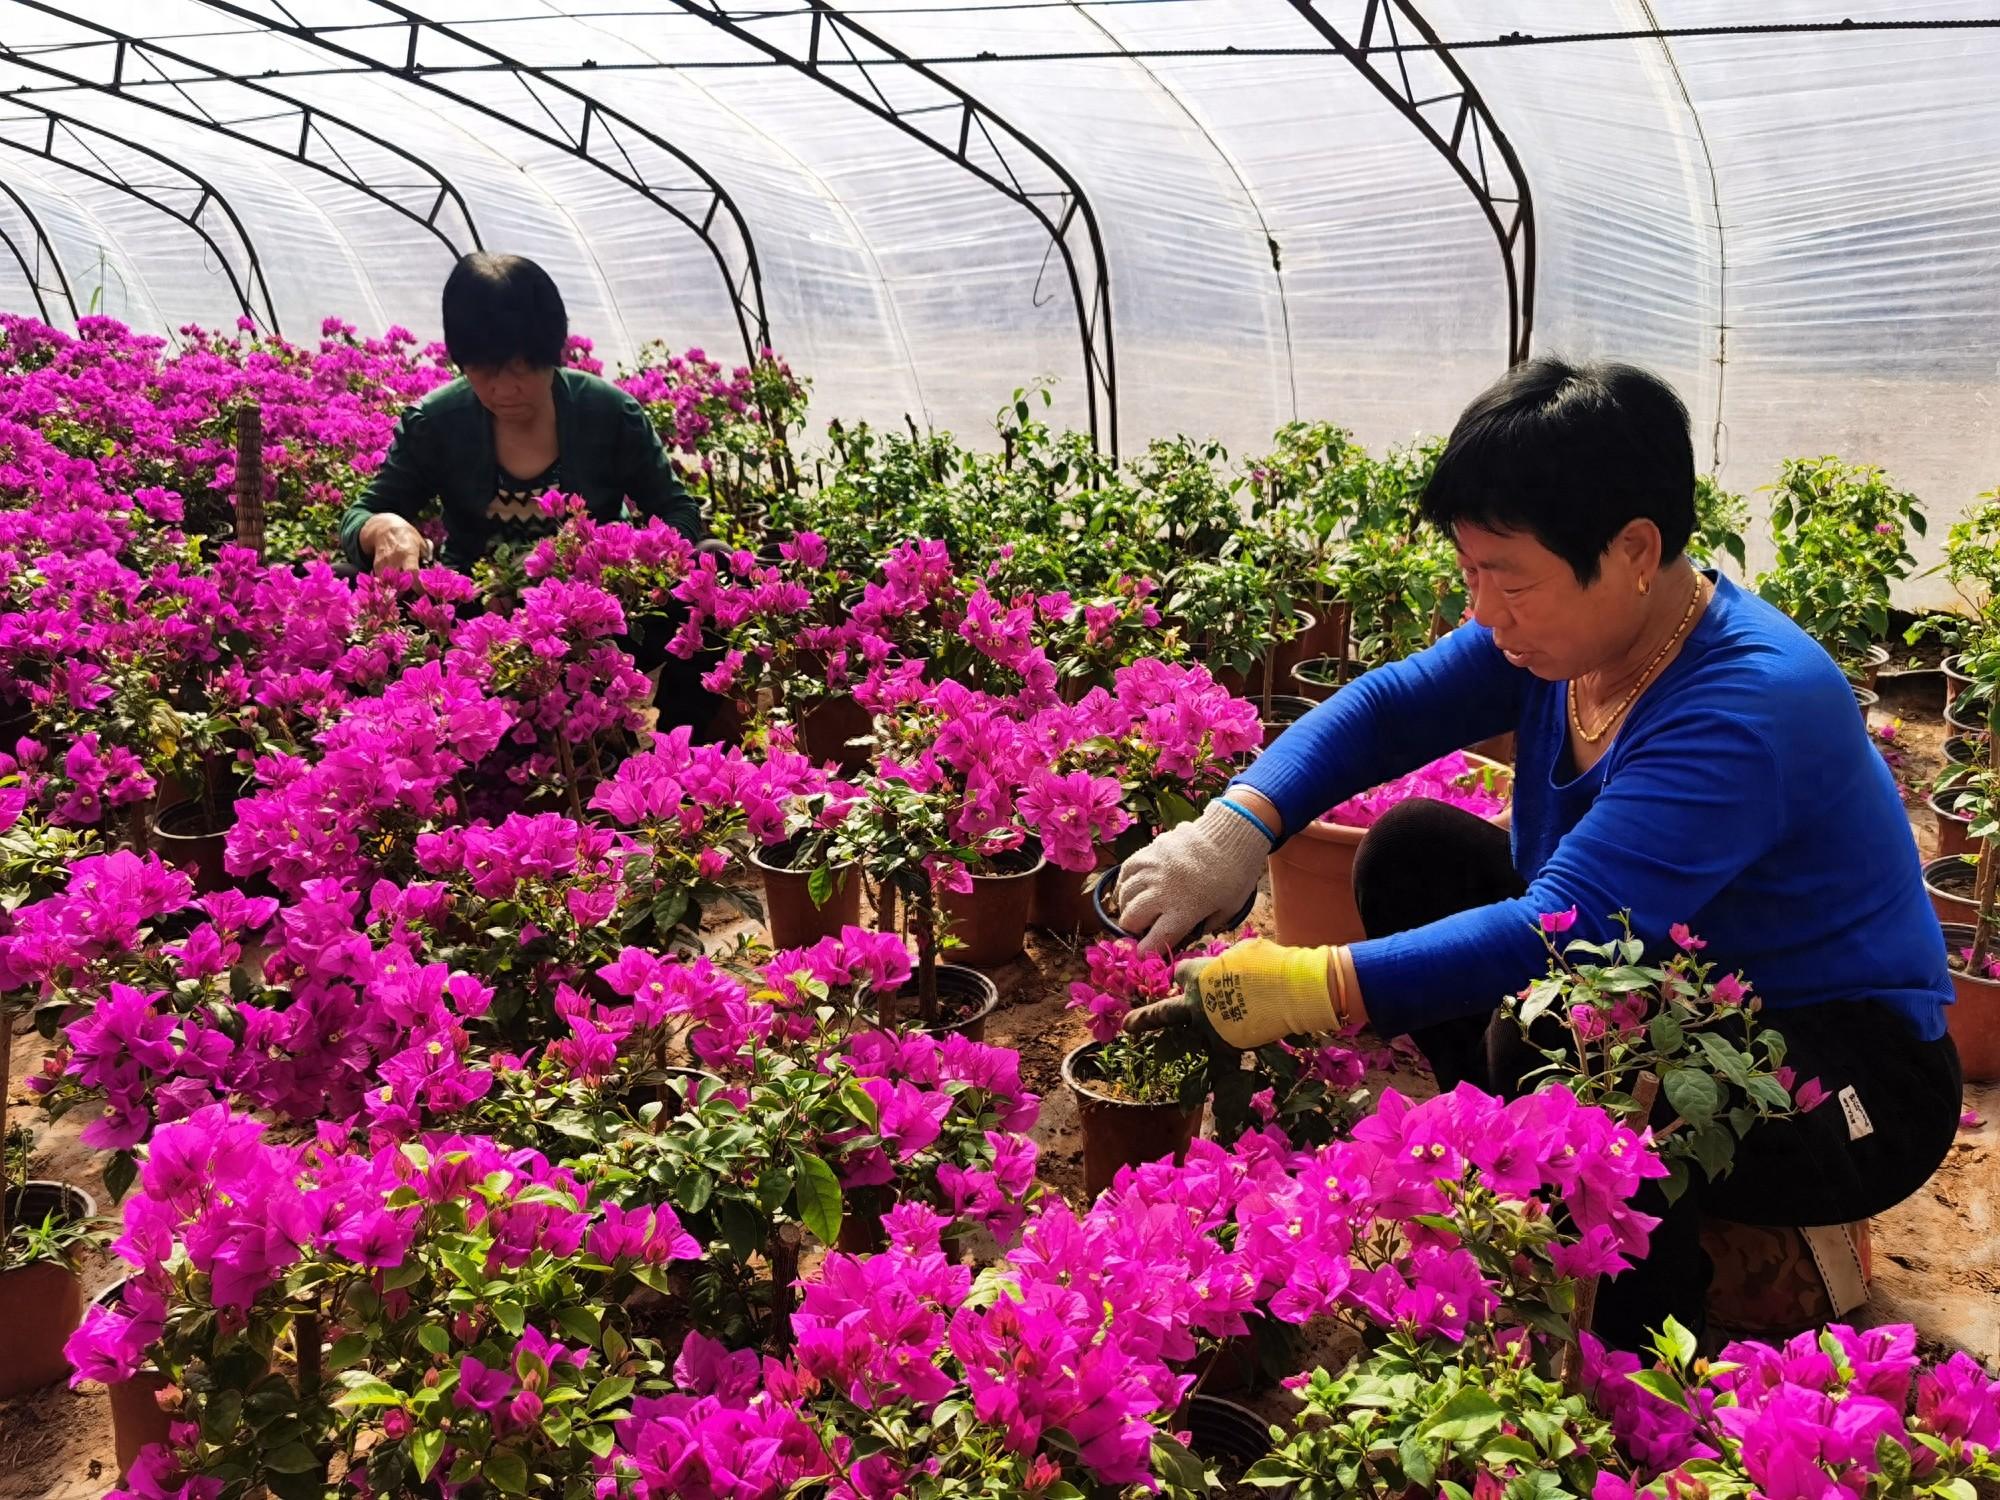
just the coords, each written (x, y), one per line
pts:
(1281, 713)
(1107, 884)
(966, 998)
(1225, 1432)
(183, 836)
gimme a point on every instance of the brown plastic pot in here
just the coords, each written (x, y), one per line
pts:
(136, 1418)
(826, 728)
(991, 920)
(1965, 750)
(1973, 1017)
(40, 1304)
(1312, 881)
(183, 837)
(1288, 654)
(1281, 713)
(1868, 671)
(1955, 681)
(1500, 748)
(1966, 715)
(1949, 881)
(1121, 1134)
(1062, 899)
(1327, 635)
(1866, 698)
(1224, 1432)
(966, 998)
(1320, 677)
(1954, 829)
(861, 1231)
(789, 913)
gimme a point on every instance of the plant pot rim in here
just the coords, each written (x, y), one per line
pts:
(224, 810)
(1107, 882)
(1030, 873)
(68, 1192)
(989, 994)
(1949, 666)
(1931, 801)
(1959, 935)
(1082, 1086)
(1951, 717)
(1347, 833)
(1303, 704)
(1344, 662)
(1948, 862)
(758, 861)
(1867, 697)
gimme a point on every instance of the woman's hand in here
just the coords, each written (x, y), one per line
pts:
(1200, 872)
(392, 543)
(1254, 994)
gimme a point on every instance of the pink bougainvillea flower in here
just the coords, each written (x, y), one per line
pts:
(1558, 921)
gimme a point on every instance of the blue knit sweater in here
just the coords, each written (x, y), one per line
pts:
(1741, 796)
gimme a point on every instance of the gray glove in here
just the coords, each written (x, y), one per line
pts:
(1190, 876)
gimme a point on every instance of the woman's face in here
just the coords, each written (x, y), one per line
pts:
(514, 391)
(1541, 617)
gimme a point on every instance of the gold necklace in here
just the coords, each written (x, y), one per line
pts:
(1645, 677)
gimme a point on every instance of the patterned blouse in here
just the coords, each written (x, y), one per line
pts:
(514, 515)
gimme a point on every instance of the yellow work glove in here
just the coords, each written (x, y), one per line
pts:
(1255, 993)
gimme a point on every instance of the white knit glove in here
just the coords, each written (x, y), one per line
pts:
(1192, 875)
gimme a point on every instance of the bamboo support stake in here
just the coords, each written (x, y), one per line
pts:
(250, 477)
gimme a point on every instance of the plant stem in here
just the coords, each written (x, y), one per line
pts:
(6, 1088)
(1989, 867)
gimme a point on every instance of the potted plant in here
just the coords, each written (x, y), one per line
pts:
(1840, 531)
(804, 899)
(1972, 563)
(1312, 873)
(1719, 519)
(43, 1227)
(1974, 1016)
(1167, 737)
(1138, 1098)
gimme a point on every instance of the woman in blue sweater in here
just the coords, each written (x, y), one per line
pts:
(1685, 752)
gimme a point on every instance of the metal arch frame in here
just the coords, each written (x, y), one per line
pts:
(1473, 131)
(45, 250)
(1072, 205)
(206, 194)
(746, 284)
(313, 122)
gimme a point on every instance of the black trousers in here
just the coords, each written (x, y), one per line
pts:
(680, 697)
(1424, 861)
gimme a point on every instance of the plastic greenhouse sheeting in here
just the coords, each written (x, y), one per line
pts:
(1798, 229)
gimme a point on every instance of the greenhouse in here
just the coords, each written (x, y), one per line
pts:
(999, 748)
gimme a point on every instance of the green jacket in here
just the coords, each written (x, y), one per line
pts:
(443, 450)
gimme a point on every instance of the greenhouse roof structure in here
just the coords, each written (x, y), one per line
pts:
(1209, 216)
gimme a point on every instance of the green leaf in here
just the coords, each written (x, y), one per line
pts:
(1715, 1149)
(1661, 1384)
(434, 1339)
(1675, 1343)
(119, 1174)
(556, 1423)
(1418, 1466)
(409, 1273)
(580, 1323)
(819, 884)
(346, 1350)
(369, 1391)
(292, 1458)
(819, 1197)
(511, 1316)
(1665, 1034)
(610, 1391)
(507, 1472)
(1470, 1414)
(1692, 1093)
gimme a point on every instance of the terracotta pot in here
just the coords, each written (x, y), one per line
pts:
(1500, 748)
(40, 1304)
(1967, 715)
(789, 913)
(182, 836)
(1288, 654)
(1954, 829)
(1062, 900)
(1868, 671)
(1312, 882)
(1973, 1018)
(1948, 881)
(826, 728)
(136, 1418)
(990, 921)
(1766, 1281)
(1328, 634)
(1955, 681)
(966, 998)
(1118, 1134)
(1224, 1432)
(1281, 713)
(1320, 677)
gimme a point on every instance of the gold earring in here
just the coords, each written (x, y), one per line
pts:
(1645, 585)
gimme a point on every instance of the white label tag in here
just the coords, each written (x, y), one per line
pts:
(1858, 1123)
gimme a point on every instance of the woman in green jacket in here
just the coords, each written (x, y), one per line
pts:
(513, 426)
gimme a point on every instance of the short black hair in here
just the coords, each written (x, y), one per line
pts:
(1570, 455)
(499, 308)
